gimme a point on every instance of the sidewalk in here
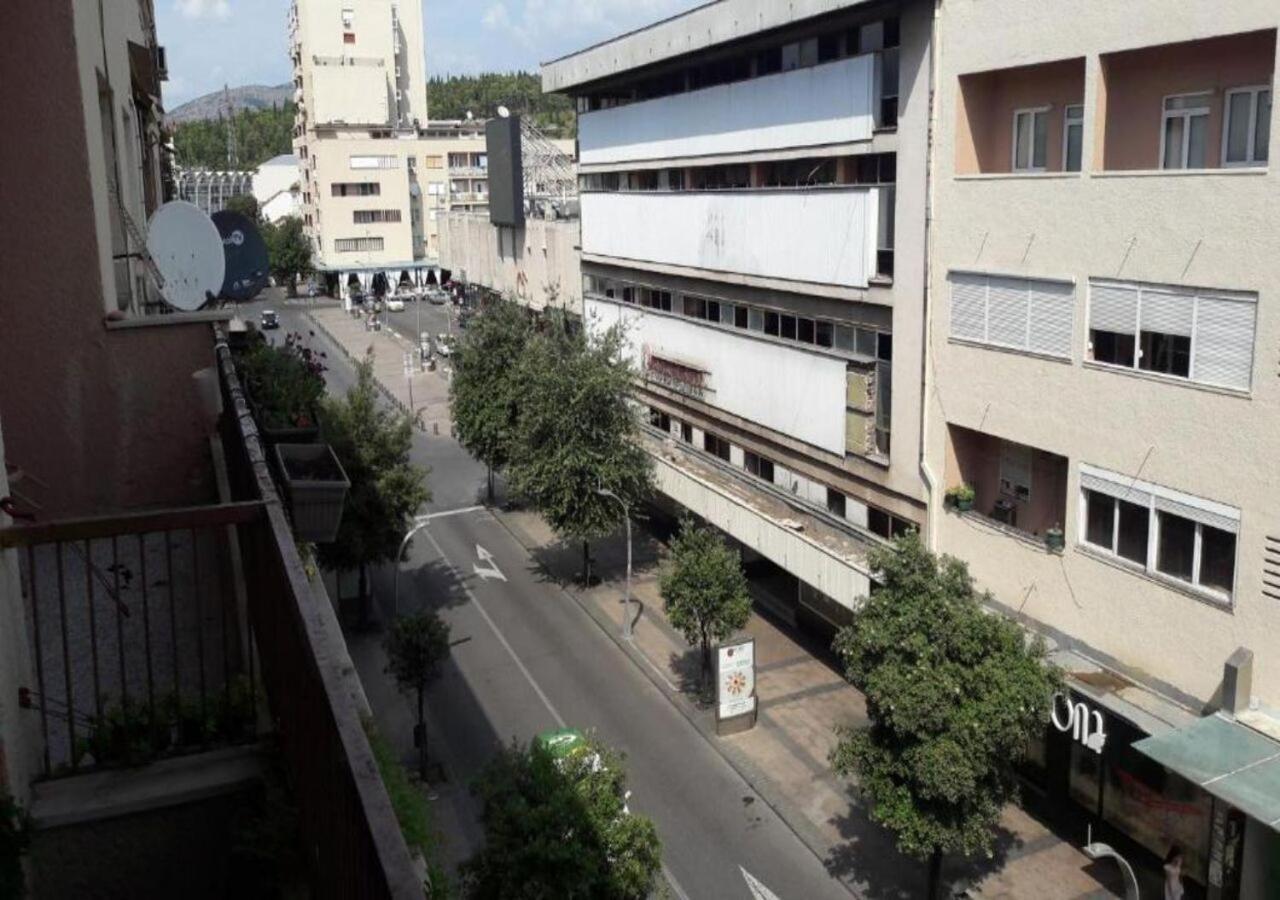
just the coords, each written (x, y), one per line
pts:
(801, 699)
(424, 394)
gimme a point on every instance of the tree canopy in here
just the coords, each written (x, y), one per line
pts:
(454, 96)
(288, 250)
(704, 590)
(954, 694)
(485, 392)
(559, 827)
(245, 204)
(577, 431)
(260, 135)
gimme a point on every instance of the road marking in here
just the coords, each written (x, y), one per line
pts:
(675, 885)
(448, 512)
(559, 719)
(758, 890)
(490, 569)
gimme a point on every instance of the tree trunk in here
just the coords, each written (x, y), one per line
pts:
(935, 875)
(362, 596)
(706, 662)
(490, 485)
(422, 745)
(586, 564)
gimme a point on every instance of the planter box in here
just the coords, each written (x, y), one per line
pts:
(297, 434)
(316, 487)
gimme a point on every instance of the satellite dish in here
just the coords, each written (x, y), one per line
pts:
(184, 244)
(245, 253)
(503, 112)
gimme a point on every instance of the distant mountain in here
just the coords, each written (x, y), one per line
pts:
(249, 96)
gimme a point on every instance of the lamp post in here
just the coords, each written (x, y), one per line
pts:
(626, 603)
(395, 592)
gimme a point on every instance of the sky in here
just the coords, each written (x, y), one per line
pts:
(212, 42)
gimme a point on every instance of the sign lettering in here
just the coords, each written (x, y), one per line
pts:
(1085, 725)
(675, 376)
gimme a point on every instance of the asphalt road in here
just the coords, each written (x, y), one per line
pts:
(527, 658)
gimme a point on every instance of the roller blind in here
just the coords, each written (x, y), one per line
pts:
(1016, 313)
(969, 306)
(1222, 349)
(1052, 317)
(1167, 312)
(1113, 308)
(1007, 304)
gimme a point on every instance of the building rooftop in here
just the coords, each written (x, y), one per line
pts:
(284, 159)
(700, 28)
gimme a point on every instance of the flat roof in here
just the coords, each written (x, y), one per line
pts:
(700, 28)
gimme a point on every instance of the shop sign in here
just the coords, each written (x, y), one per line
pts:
(1084, 724)
(675, 376)
(736, 679)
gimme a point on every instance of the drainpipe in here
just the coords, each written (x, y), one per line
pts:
(931, 483)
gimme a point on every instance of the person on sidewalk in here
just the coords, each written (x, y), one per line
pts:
(1173, 888)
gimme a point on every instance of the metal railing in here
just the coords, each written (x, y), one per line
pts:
(353, 839)
(137, 646)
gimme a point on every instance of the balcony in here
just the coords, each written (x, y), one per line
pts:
(1024, 119)
(815, 236)
(833, 103)
(1018, 489)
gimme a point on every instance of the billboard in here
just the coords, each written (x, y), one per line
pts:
(506, 174)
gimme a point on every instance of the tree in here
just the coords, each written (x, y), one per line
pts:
(373, 444)
(577, 432)
(454, 96)
(260, 135)
(416, 648)
(245, 204)
(485, 392)
(704, 590)
(954, 695)
(288, 251)
(558, 826)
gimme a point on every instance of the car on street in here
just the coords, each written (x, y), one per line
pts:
(436, 296)
(443, 342)
(395, 304)
(269, 320)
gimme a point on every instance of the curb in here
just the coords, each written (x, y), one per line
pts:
(786, 812)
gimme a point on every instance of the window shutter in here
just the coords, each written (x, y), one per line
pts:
(1167, 312)
(1222, 351)
(1116, 486)
(1007, 305)
(1113, 308)
(1211, 518)
(968, 306)
(1052, 317)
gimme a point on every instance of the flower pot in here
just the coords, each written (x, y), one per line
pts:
(1055, 540)
(286, 434)
(964, 504)
(316, 488)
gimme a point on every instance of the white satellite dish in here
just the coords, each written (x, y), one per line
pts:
(184, 245)
(503, 112)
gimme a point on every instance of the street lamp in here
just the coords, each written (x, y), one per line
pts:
(395, 593)
(626, 603)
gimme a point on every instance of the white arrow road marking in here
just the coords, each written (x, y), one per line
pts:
(490, 569)
(758, 890)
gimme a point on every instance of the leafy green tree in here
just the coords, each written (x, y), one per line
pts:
(245, 204)
(704, 590)
(485, 392)
(481, 95)
(577, 432)
(288, 251)
(417, 646)
(954, 695)
(260, 135)
(372, 443)
(559, 827)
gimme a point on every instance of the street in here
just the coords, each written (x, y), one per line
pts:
(527, 658)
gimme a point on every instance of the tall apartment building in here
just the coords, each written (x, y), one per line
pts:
(752, 208)
(1105, 269)
(375, 176)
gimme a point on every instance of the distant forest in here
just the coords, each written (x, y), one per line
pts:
(264, 133)
(481, 95)
(260, 135)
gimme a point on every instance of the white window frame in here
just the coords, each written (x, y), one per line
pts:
(1187, 114)
(1032, 111)
(348, 18)
(1151, 493)
(1254, 91)
(1067, 122)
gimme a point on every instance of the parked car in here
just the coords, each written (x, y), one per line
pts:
(269, 320)
(443, 342)
(395, 304)
(436, 296)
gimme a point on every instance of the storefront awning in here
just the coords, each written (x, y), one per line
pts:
(1231, 761)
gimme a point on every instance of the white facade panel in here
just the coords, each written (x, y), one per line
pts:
(826, 104)
(356, 95)
(807, 235)
(793, 391)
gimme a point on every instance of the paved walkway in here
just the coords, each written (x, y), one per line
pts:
(801, 697)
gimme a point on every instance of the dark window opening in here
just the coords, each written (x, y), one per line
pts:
(1176, 553)
(715, 445)
(740, 317)
(804, 330)
(835, 502)
(686, 432)
(788, 327)
(659, 419)
(824, 333)
(1112, 347)
(771, 323)
(1166, 353)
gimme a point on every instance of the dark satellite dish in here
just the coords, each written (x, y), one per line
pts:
(246, 255)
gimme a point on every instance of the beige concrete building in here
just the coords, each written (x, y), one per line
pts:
(752, 208)
(537, 264)
(1103, 272)
(376, 176)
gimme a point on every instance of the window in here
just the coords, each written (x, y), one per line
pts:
(660, 420)
(788, 327)
(835, 502)
(1072, 138)
(1031, 139)
(686, 432)
(372, 216)
(1160, 530)
(1246, 133)
(755, 319)
(824, 334)
(1019, 313)
(1184, 134)
(375, 162)
(758, 465)
(715, 445)
(357, 245)
(348, 38)
(886, 525)
(1180, 332)
(348, 17)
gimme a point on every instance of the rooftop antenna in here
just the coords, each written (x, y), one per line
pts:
(233, 153)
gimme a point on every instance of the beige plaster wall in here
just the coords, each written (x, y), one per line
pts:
(984, 140)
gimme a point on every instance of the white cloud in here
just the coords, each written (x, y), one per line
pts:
(203, 9)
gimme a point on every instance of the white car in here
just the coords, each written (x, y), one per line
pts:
(443, 344)
(395, 304)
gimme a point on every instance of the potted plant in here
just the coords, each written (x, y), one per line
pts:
(316, 486)
(284, 385)
(1054, 539)
(961, 497)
